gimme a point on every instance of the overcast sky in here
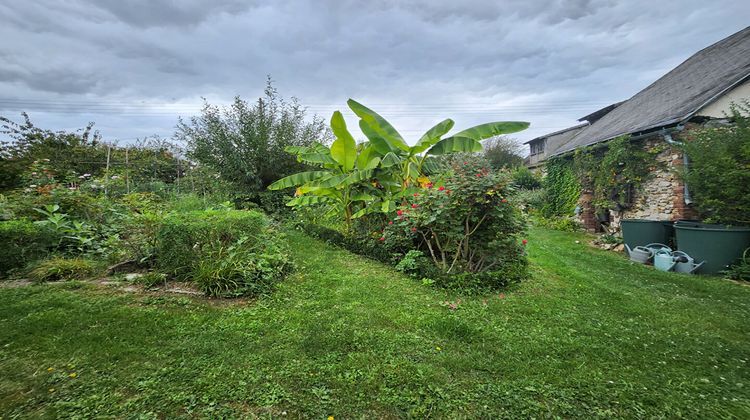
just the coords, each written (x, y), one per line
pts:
(134, 66)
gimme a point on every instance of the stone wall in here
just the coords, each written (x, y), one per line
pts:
(661, 197)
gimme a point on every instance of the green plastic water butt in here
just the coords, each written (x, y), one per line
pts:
(640, 232)
(717, 245)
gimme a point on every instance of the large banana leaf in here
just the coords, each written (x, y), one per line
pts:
(378, 143)
(455, 144)
(368, 158)
(322, 158)
(362, 197)
(379, 124)
(358, 176)
(389, 160)
(432, 136)
(330, 182)
(485, 131)
(297, 179)
(307, 200)
(344, 148)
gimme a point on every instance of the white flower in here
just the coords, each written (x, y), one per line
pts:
(115, 177)
(32, 186)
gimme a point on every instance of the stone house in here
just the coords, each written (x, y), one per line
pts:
(696, 93)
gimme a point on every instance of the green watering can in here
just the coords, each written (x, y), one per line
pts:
(663, 260)
(678, 261)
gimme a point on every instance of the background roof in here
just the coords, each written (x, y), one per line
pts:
(675, 96)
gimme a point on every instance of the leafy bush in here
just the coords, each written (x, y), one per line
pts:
(718, 174)
(245, 142)
(59, 268)
(22, 242)
(525, 179)
(467, 225)
(741, 270)
(227, 252)
(273, 203)
(531, 201)
(565, 224)
(183, 238)
(242, 270)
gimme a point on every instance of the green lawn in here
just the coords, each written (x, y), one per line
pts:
(589, 335)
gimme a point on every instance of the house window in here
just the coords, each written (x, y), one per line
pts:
(538, 147)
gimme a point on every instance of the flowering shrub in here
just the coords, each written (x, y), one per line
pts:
(466, 225)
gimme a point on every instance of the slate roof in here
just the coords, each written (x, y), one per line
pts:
(676, 96)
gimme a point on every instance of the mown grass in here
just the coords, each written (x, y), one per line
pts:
(589, 335)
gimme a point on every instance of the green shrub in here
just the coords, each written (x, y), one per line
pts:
(22, 242)
(741, 270)
(565, 224)
(272, 203)
(242, 270)
(718, 174)
(467, 225)
(184, 238)
(525, 179)
(59, 268)
(226, 252)
(359, 242)
(531, 201)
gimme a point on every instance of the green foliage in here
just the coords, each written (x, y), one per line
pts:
(23, 242)
(741, 270)
(562, 188)
(350, 338)
(76, 237)
(564, 224)
(38, 159)
(531, 201)
(372, 177)
(242, 269)
(226, 252)
(525, 179)
(614, 171)
(245, 143)
(719, 171)
(466, 225)
(60, 268)
(183, 238)
(503, 152)
(361, 243)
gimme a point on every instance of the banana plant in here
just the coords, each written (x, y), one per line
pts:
(394, 150)
(344, 181)
(354, 180)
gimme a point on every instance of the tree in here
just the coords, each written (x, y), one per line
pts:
(245, 143)
(503, 152)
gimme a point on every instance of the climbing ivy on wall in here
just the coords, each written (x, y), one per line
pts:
(562, 186)
(611, 171)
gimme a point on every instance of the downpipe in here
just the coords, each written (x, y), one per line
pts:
(667, 135)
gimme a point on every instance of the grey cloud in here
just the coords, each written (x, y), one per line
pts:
(556, 60)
